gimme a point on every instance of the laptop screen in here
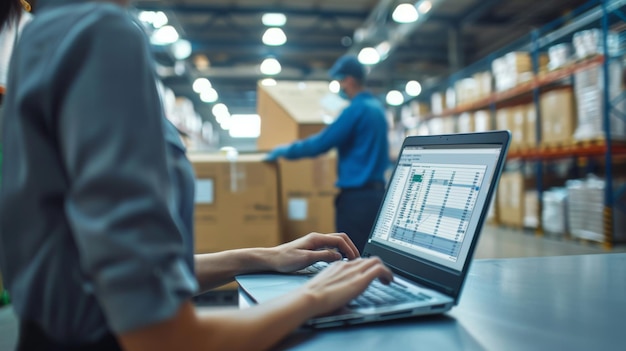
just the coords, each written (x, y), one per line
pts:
(434, 200)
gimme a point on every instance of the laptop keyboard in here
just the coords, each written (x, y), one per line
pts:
(377, 294)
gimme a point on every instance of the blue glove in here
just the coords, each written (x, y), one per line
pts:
(279, 151)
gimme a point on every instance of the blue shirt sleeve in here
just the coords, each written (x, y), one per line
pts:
(111, 140)
(331, 136)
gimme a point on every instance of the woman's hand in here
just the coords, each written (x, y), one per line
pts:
(312, 248)
(342, 281)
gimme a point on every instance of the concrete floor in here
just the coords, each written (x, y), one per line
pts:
(495, 242)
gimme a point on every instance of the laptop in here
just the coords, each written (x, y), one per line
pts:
(426, 230)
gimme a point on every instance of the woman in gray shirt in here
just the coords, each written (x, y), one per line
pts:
(96, 205)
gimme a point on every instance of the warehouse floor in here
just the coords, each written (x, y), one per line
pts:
(496, 242)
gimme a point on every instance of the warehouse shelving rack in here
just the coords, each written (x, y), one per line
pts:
(594, 14)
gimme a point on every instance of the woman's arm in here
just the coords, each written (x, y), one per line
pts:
(215, 269)
(261, 326)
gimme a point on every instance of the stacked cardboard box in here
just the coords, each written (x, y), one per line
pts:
(236, 202)
(509, 118)
(511, 69)
(482, 121)
(465, 122)
(291, 111)
(530, 125)
(437, 103)
(515, 68)
(517, 122)
(484, 82)
(451, 98)
(511, 199)
(307, 193)
(441, 125)
(419, 109)
(558, 116)
(467, 91)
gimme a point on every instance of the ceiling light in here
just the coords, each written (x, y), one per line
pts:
(268, 82)
(226, 123)
(181, 49)
(425, 6)
(164, 36)
(159, 19)
(369, 56)
(220, 111)
(274, 19)
(156, 19)
(209, 95)
(413, 88)
(245, 126)
(270, 66)
(274, 37)
(405, 13)
(201, 84)
(334, 87)
(395, 98)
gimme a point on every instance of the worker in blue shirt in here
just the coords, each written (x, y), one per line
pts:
(97, 199)
(360, 136)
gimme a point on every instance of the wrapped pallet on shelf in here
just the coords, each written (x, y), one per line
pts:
(554, 211)
(585, 211)
(590, 42)
(531, 209)
(559, 56)
(589, 89)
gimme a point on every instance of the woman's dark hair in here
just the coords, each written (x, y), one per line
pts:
(10, 10)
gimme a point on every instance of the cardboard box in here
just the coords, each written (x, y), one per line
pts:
(484, 81)
(465, 122)
(511, 199)
(558, 116)
(236, 202)
(307, 196)
(530, 128)
(482, 121)
(503, 120)
(437, 103)
(517, 119)
(291, 110)
(419, 109)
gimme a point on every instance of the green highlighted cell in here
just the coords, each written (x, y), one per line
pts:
(417, 178)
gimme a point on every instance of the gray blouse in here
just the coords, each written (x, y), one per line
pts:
(96, 200)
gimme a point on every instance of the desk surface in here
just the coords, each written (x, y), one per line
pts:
(543, 303)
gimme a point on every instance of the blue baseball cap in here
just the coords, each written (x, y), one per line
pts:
(347, 65)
